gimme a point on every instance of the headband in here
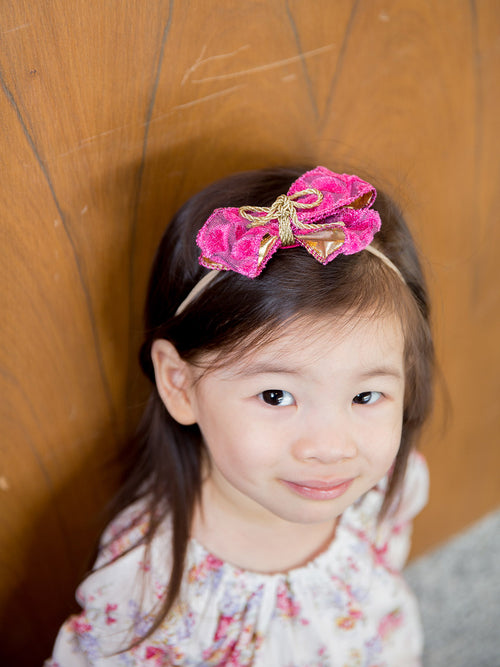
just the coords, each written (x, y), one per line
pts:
(326, 213)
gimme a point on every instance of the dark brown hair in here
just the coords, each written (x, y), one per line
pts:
(225, 319)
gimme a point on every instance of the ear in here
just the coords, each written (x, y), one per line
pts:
(174, 379)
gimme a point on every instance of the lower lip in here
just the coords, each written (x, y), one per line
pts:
(328, 493)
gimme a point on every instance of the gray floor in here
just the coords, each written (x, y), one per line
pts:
(458, 587)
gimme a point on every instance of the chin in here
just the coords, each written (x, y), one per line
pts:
(310, 516)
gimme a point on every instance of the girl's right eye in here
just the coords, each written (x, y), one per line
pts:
(277, 397)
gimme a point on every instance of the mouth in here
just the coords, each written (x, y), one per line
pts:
(318, 490)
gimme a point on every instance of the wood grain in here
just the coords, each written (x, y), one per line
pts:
(112, 115)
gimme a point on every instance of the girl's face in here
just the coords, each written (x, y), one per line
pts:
(300, 429)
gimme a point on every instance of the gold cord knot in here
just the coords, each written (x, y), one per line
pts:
(284, 210)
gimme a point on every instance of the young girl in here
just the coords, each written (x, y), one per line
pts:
(267, 514)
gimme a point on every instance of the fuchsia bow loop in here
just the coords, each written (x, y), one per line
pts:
(324, 212)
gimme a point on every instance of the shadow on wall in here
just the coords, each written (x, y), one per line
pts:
(63, 533)
(55, 561)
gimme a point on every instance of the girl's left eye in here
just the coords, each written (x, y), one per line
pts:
(367, 397)
(276, 397)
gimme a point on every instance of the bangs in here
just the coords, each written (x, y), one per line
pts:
(236, 315)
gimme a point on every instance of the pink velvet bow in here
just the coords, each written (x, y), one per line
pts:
(338, 219)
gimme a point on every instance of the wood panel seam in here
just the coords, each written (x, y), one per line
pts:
(140, 171)
(83, 284)
(302, 61)
(340, 63)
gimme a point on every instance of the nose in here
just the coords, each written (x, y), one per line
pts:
(326, 439)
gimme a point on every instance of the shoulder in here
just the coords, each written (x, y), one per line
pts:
(126, 557)
(414, 492)
(410, 500)
(128, 581)
(127, 531)
(390, 536)
(395, 530)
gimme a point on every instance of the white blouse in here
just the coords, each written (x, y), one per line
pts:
(349, 607)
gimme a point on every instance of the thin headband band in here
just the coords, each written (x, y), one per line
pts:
(204, 282)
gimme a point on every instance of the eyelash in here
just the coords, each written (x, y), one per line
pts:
(276, 397)
(364, 394)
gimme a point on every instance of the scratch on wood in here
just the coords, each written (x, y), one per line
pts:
(19, 27)
(4, 484)
(263, 68)
(193, 103)
(85, 142)
(97, 136)
(201, 60)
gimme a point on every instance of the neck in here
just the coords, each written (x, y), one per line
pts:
(252, 544)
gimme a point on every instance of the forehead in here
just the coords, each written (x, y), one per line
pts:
(354, 341)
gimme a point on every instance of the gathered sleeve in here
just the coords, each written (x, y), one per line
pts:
(393, 539)
(112, 598)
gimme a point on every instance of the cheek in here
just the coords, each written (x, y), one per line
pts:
(240, 451)
(382, 445)
(242, 457)
(390, 448)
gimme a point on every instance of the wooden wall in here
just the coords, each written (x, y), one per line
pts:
(111, 114)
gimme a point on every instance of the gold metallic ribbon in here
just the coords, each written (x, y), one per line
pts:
(321, 242)
(284, 210)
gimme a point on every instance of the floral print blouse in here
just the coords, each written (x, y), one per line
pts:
(349, 607)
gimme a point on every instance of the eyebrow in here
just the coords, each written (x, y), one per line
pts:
(382, 371)
(265, 369)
